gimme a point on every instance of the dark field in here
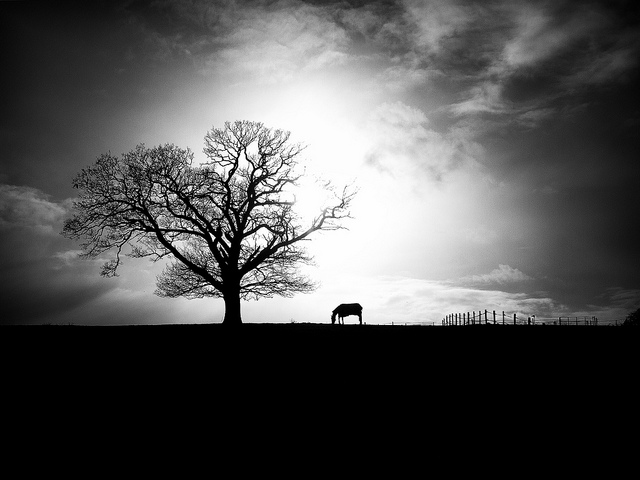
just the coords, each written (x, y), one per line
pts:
(416, 347)
(309, 373)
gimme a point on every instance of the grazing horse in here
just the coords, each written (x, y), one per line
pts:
(346, 309)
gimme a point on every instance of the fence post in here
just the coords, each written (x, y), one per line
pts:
(559, 320)
(494, 317)
(503, 317)
(514, 318)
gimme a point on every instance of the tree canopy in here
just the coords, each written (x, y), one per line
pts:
(229, 225)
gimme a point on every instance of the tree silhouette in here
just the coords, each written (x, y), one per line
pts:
(229, 224)
(633, 319)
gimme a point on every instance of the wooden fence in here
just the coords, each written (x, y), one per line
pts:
(495, 318)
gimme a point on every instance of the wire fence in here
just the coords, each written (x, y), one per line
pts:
(494, 317)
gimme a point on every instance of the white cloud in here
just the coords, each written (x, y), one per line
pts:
(503, 275)
(483, 98)
(401, 115)
(404, 144)
(533, 117)
(253, 41)
(538, 36)
(273, 44)
(398, 78)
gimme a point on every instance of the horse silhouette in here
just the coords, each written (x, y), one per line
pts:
(344, 310)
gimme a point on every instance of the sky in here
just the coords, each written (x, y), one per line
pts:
(494, 145)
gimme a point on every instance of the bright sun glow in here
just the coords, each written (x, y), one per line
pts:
(311, 198)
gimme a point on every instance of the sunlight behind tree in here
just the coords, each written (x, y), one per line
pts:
(229, 225)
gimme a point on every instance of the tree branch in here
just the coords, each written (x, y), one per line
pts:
(229, 224)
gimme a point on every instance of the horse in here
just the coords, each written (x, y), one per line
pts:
(346, 309)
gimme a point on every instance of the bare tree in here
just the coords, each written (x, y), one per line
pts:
(229, 224)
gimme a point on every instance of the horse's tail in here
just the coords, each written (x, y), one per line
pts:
(333, 317)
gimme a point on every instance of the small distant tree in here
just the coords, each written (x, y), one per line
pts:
(633, 319)
(229, 225)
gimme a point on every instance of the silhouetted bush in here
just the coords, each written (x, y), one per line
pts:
(633, 319)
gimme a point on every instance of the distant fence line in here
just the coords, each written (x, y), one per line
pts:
(493, 317)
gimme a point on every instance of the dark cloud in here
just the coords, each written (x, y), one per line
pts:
(44, 280)
(38, 281)
(40, 292)
(72, 72)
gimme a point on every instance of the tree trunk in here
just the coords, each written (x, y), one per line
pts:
(232, 308)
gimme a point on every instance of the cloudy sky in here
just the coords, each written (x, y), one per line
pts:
(494, 144)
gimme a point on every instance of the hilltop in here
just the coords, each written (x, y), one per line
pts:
(501, 345)
(476, 368)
